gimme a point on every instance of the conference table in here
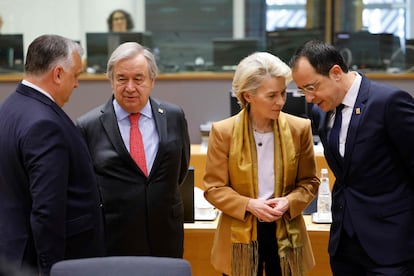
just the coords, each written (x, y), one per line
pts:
(198, 236)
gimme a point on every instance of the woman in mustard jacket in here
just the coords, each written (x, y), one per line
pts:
(261, 174)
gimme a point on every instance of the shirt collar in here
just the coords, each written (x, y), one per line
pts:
(29, 84)
(122, 114)
(352, 94)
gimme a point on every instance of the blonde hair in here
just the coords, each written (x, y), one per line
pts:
(253, 69)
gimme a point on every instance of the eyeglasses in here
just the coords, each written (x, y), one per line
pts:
(309, 89)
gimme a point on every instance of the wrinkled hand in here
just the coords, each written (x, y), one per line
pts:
(268, 210)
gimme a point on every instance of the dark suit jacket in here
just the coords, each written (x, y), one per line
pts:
(375, 183)
(144, 215)
(49, 199)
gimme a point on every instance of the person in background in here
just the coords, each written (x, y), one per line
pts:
(261, 173)
(120, 21)
(1, 23)
(367, 131)
(50, 207)
(142, 201)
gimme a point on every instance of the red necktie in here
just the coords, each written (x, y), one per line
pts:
(136, 146)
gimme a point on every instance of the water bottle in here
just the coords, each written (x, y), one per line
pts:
(324, 200)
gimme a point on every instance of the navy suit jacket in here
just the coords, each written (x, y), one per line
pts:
(375, 183)
(49, 198)
(143, 215)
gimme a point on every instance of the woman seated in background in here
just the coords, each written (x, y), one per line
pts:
(120, 21)
(261, 174)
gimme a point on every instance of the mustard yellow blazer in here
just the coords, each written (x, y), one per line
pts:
(233, 205)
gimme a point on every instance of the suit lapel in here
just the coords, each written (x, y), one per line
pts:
(160, 119)
(322, 119)
(329, 155)
(110, 124)
(357, 114)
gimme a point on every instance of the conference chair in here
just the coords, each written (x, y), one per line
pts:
(122, 265)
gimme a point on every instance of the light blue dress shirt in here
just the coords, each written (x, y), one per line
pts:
(147, 127)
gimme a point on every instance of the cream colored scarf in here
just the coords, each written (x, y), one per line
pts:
(243, 175)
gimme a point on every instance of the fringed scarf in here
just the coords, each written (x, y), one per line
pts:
(243, 173)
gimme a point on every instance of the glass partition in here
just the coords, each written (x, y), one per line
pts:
(99, 47)
(375, 35)
(183, 31)
(11, 53)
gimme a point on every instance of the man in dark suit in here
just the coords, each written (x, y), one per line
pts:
(371, 152)
(143, 206)
(49, 198)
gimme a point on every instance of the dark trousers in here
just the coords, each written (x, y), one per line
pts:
(269, 261)
(268, 256)
(351, 259)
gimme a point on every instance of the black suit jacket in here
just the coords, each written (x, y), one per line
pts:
(144, 215)
(49, 200)
(375, 183)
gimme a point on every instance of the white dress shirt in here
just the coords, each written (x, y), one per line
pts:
(265, 164)
(348, 102)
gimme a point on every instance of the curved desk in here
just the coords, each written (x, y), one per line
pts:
(198, 239)
(198, 236)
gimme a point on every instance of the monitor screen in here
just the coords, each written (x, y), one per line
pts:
(99, 46)
(284, 43)
(365, 50)
(228, 52)
(234, 104)
(409, 54)
(187, 193)
(296, 104)
(11, 53)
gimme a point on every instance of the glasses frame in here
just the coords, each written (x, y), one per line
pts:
(309, 89)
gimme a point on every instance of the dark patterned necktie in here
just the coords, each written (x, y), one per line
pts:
(334, 134)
